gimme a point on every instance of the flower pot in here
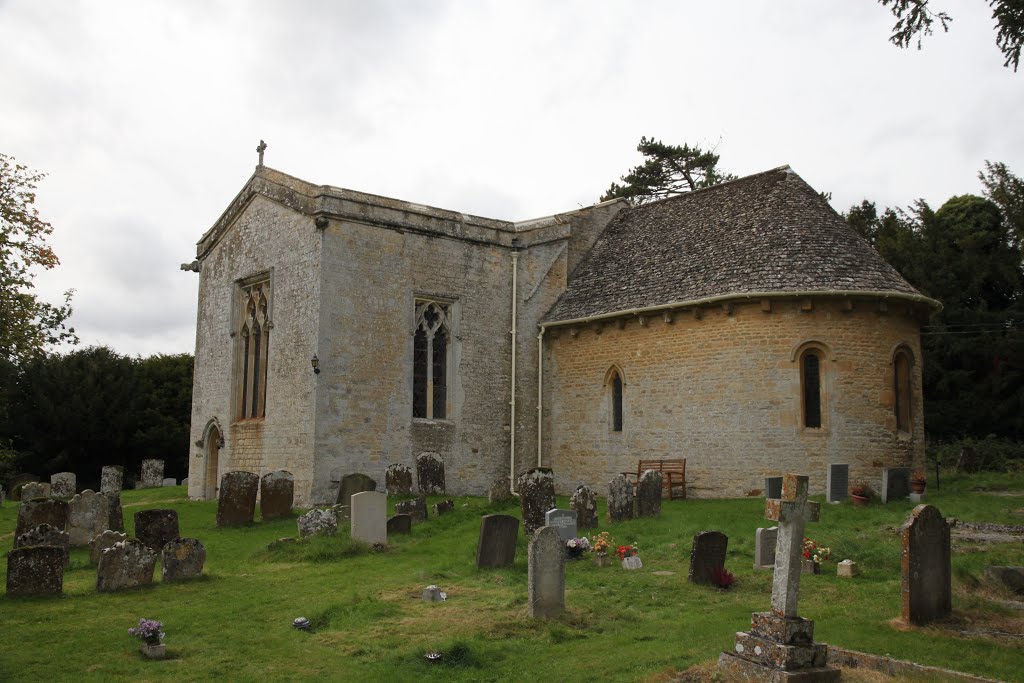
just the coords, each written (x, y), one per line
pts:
(811, 567)
(917, 485)
(602, 560)
(158, 651)
(632, 562)
(858, 501)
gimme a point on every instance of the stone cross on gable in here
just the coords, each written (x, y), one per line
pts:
(792, 512)
(261, 148)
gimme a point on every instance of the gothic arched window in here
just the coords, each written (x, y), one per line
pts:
(252, 349)
(901, 364)
(431, 352)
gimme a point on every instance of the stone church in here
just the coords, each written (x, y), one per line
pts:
(744, 327)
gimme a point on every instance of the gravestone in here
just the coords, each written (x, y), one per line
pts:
(648, 494)
(772, 487)
(184, 482)
(546, 574)
(895, 484)
(182, 558)
(780, 645)
(116, 519)
(925, 567)
(44, 534)
(584, 502)
(564, 521)
(430, 474)
(152, 474)
(112, 479)
(169, 481)
(277, 493)
(443, 506)
(108, 539)
(415, 508)
(318, 523)
(838, 485)
(236, 504)
(35, 570)
(21, 479)
(707, 553)
(620, 499)
(399, 524)
(398, 480)
(764, 548)
(88, 516)
(499, 491)
(536, 496)
(496, 546)
(369, 517)
(154, 528)
(34, 489)
(63, 485)
(352, 484)
(125, 565)
(35, 512)
(847, 569)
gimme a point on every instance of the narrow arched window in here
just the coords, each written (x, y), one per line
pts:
(902, 390)
(430, 360)
(253, 347)
(617, 403)
(810, 370)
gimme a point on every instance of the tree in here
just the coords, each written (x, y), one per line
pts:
(914, 20)
(27, 324)
(1006, 190)
(668, 170)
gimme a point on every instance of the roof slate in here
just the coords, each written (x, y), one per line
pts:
(769, 232)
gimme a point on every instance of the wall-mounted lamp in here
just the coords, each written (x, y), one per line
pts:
(315, 362)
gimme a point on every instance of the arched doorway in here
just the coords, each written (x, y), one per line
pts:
(212, 460)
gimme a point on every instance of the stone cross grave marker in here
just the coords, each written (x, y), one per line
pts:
(584, 502)
(155, 528)
(536, 496)
(620, 499)
(546, 574)
(277, 493)
(112, 479)
(63, 484)
(497, 544)
(895, 484)
(562, 520)
(398, 480)
(772, 487)
(430, 474)
(925, 566)
(764, 548)
(369, 517)
(236, 503)
(35, 570)
(399, 524)
(648, 494)
(707, 552)
(792, 511)
(838, 486)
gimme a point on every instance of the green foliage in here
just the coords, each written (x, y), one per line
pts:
(667, 170)
(27, 324)
(990, 454)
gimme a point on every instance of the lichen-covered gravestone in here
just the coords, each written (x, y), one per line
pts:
(35, 570)
(154, 528)
(706, 554)
(415, 508)
(35, 512)
(399, 524)
(398, 480)
(648, 494)
(764, 547)
(496, 546)
(237, 502)
(88, 515)
(536, 497)
(112, 480)
(182, 558)
(430, 474)
(63, 484)
(925, 566)
(107, 539)
(152, 473)
(620, 499)
(443, 507)
(498, 491)
(33, 490)
(318, 523)
(44, 534)
(277, 493)
(546, 574)
(125, 565)
(584, 502)
(369, 517)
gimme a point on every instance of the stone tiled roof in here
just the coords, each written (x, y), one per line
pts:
(766, 233)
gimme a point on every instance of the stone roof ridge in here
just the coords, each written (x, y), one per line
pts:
(564, 216)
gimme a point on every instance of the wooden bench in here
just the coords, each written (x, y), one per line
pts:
(673, 474)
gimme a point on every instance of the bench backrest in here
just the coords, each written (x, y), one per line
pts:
(662, 466)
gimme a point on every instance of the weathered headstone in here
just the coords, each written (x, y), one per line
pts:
(772, 487)
(496, 546)
(112, 479)
(88, 515)
(34, 489)
(35, 512)
(236, 504)
(352, 484)
(125, 565)
(838, 485)
(182, 558)
(154, 528)
(17, 481)
(35, 570)
(925, 566)
(546, 574)
(620, 499)
(443, 507)
(895, 484)
(564, 521)
(318, 523)
(63, 485)
(398, 480)
(277, 493)
(369, 517)
(169, 481)
(706, 554)
(764, 547)
(108, 539)
(648, 494)
(499, 491)
(116, 520)
(430, 474)
(584, 502)
(399, 524)
(415, 508)
(152, 473)
(780, 645)
(536, 496)
(44, 534)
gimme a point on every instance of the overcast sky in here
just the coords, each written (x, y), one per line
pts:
(146, 115)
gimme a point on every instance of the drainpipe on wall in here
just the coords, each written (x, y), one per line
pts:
(512, 399)
(540, 394)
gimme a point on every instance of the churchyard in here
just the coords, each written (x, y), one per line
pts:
(369, 620)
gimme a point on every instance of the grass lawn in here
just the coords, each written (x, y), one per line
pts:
(371, 625)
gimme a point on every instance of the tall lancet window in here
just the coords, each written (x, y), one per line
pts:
(253, 348)
(431, 355)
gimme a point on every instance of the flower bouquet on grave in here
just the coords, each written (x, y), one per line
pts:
(814, 555)
(150, 632)
(629, 557)
(575, 547)
(599, 546)
(918, 482)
